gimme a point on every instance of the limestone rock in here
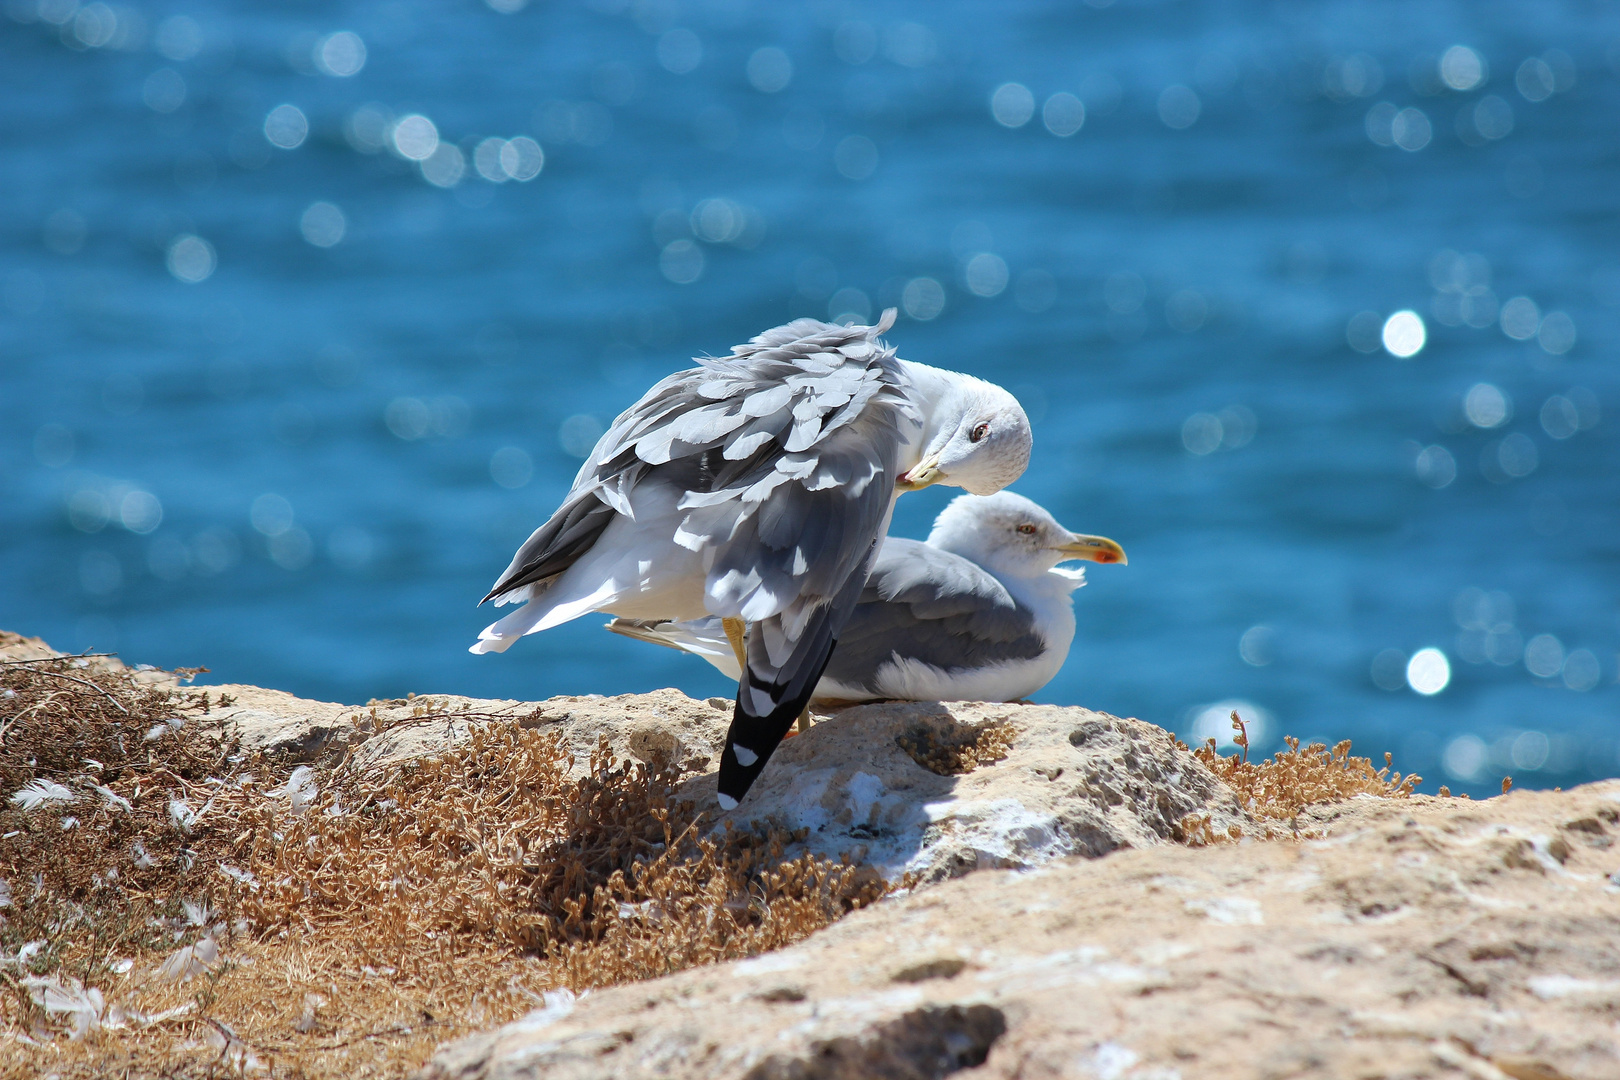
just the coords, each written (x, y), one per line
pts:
(1423, 937)
(280, 724)
(15, 647)
(662, 725)
(934, 790)
(1419, 937)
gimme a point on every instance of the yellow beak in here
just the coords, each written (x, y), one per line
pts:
(1097, 549)
(924, 473)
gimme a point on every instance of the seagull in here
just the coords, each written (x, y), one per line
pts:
(981, 611)
(757, 487)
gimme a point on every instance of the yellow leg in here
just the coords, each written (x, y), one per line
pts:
(735, 631)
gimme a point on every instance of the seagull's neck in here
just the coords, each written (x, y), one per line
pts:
(937, 394)
(1050, 596)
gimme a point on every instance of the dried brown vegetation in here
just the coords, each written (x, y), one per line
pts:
(947, 747)
(1279, 788)
(184, 910)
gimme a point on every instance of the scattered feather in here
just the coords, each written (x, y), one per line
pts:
(235, 874)
(189, 961)
(182, 815)
(69, 997)
(113, 800)
(25, 952)
(299, 790)
(559, 1003)
(38, 793)
(122, 1015)
(650, 910)
(308, 1019)
(236, 1053)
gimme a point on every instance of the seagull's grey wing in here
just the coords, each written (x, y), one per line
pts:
(787, 652)
(792, 540)
(726, 435)
(552, 548)
(928, 605)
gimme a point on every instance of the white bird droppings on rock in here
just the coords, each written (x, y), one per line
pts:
(1229, 911)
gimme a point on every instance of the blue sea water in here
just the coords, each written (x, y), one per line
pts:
(287, 371)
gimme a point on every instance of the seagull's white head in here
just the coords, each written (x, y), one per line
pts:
(1011, 536)
(978, 439)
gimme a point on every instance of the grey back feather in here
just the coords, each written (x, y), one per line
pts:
(786, 452)
(921, 603)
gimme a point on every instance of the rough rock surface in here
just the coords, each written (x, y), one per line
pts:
(1417, 937)
(1422, 937)
(644, 726)
(875, 783)
(1072, 781)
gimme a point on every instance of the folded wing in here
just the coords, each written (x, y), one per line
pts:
(940, 609)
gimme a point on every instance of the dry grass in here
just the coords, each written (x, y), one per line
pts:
(185, 911)
(1281, 787)
(946, 746)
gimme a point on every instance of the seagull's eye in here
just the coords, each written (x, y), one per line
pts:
(1027, 529)
(978, 433)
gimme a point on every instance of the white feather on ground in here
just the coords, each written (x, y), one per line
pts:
(38, 793)
(59, 996)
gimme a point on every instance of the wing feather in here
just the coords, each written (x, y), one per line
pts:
(928, 605)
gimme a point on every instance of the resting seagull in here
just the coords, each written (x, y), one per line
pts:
(756, 487)
(981, 611)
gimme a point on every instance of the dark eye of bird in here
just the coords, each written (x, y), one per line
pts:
(1027, 529)
(979, 432)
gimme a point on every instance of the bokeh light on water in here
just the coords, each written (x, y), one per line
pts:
(307, 318)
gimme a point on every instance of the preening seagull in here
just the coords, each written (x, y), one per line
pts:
(756, 487)
(981, 611)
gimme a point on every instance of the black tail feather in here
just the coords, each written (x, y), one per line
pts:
(756, 732)
(770, 699)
